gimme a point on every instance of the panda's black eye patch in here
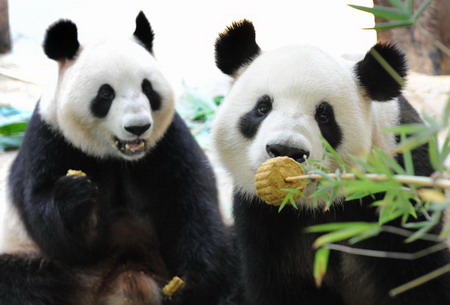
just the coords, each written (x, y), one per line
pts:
(152, 95)
(249, 122)
(323, 113)
(102, 102)
(329, 128)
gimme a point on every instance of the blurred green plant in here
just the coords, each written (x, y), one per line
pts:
(13, 123)
(198, 110)
(400, 13)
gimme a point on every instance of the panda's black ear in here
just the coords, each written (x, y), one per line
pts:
(61, 40)
(374, 78)
(236, 46)
(144, 32)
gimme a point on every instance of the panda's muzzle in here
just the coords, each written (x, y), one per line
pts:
(131, 147)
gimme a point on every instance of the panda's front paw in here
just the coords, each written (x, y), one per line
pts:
(75, 198)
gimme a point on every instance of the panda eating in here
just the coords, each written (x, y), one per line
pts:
(281, 103)
(141, 206)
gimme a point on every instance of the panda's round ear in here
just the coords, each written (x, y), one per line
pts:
(379, 84)
(61, 40)
(236, 46)
(144, 32)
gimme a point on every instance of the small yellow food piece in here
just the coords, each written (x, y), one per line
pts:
(173, 286)
(270, 179)
(72, 172)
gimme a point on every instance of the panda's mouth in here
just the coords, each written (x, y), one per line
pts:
(130, 148)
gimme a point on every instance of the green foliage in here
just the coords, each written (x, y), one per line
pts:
(399, 14)
(198, 110)
(13, 123)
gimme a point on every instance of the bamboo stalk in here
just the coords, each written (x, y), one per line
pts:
(415, 180)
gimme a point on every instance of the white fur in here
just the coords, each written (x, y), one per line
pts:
(123, 64)
(298, 79)
(14, 238)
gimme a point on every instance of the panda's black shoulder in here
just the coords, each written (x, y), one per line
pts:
(43, 157)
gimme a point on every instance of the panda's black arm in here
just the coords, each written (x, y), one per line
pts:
(194, 240)
(51, 205)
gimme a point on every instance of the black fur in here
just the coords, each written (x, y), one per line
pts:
(159, 213)
(236, 47)
(61, 40)
(153, 96)
(102, 103)
(31, 281)
(249, 123)
(329, 128)
(377, 82)
(144, 32)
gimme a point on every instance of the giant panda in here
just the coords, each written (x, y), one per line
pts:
(281, 103)
(146, 209)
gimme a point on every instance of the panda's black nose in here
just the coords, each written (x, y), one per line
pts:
(278, 150)
(137, 130)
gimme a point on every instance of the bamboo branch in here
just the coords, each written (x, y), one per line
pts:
(415, 180)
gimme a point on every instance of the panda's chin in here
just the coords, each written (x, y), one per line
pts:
(131, 148)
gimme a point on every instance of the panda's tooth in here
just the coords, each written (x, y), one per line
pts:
(127, 147)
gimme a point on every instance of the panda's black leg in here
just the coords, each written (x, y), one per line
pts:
(369, 280)
(35, 281)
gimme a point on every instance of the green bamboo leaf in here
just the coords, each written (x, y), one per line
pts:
(446, 116)
(384, 12)
(321, 264)
(435, 218)
(410, 5)
(400, 5)
(421, 9)
(407, 158)
(407, 128)
(338, 236)
(333, 152)
(416, 225)
(328, 227)
(391, 25)
(433, 152)
(365, 235)
(390, 162)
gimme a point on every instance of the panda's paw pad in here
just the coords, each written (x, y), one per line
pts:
(75, 198)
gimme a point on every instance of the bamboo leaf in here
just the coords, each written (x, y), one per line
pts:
(328, 227)
(400, 5)
(321, 264)
(385, 12)
(338, 236)
(407, 158)
(366, 235)
(420, 233)
(391, 25)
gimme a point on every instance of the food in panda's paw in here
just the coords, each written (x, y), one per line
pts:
(270, 179)
(77, 173)
(173, 286)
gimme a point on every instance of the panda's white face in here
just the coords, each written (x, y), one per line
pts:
(282, 103)
(111, 101)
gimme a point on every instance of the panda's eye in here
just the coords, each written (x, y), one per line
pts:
(323, 113)
(264, 105)
(106, 92)
(147, 87)
(102, 102)
(153, 96)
